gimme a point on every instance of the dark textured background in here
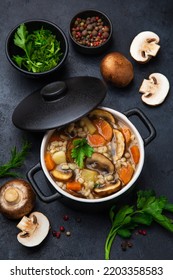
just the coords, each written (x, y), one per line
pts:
(88, 237)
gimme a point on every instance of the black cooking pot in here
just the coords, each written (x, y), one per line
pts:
(99, 202)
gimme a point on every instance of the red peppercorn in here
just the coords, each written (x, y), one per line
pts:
(62, 229)
(58, 234)
(66, 217)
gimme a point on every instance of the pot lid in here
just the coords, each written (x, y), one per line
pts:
(59, 103)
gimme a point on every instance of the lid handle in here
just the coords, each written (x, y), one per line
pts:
(54, 91)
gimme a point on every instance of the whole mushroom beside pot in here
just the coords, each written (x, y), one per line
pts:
(117, 69)
(17, 199)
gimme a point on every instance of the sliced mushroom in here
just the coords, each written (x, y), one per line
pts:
(144, 46)
(99, 113)
(62, 172)
(16, 199)
(118, 145)
(155, 89)
(100, 163)
(108, 189)
(33, 229)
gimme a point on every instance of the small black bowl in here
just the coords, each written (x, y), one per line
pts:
(11, 49)
(91, 49)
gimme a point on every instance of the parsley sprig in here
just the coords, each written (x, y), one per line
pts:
(80, 151)
(148, 208)
(16, 160)
(42, 51)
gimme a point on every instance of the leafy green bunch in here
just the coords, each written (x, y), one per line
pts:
(41, 49)
(148, 208)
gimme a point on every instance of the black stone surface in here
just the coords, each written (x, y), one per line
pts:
(88, 237)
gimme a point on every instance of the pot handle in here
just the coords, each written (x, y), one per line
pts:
(145, 121)
(30, 175)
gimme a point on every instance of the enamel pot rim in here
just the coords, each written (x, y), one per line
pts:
(118, 194)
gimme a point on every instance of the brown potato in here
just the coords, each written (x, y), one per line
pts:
(117, 69)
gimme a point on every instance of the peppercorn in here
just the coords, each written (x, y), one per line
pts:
(58, 234)
(62, 229)
(90, 32)
(66, 217)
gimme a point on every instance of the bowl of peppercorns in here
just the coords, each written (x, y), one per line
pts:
(90, 31)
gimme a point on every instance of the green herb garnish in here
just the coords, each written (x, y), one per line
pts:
(16, 160)
(148, 208)
(81, 150)
(42, 50)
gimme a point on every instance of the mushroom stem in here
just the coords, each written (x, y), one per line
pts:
(11, 195)
(28, 225)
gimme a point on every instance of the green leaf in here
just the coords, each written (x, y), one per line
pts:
(168, 207)
(122, 213)
(142, 218)
(20, 36)
(124, 232)
(19, 60)
(16, 160)
(142, 197)
(80, 151)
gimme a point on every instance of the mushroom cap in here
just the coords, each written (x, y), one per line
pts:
(108, 190)
(17, 199)
(100, 113)
(100, 163)
(39, 233)
(155, 89)
(117, 69)
(144, 46)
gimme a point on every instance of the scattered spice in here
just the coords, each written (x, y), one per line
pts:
(58, 234)
(142, 231)
(62, 229)
(66, 218)
(90, 32)
(126, 244)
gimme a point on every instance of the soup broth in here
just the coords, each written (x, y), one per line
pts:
(93, 157)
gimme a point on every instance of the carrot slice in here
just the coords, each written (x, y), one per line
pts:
(135, 153)
(125, 173)
(50, 164)
(127, 134)
(74, 186)
(96, 140)
(104, 128)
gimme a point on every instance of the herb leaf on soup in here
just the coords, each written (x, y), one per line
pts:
(80, 151)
